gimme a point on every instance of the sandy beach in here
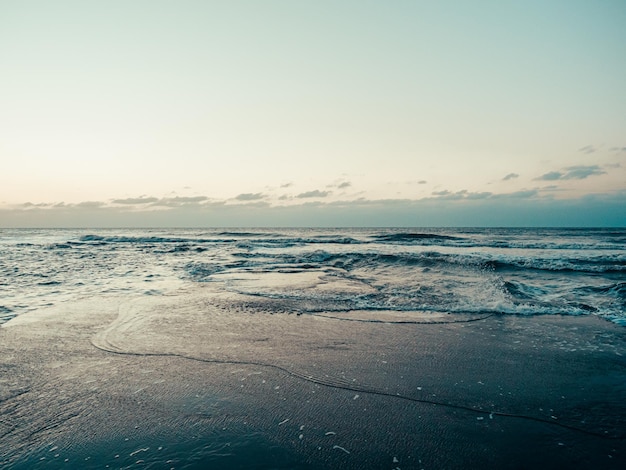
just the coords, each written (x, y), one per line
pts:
(208, 379)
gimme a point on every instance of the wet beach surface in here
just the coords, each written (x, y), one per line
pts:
(208, 378)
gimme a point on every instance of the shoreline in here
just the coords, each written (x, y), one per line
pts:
(306, 391)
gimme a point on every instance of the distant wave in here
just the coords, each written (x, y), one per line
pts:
(253, 240)
(143, 240)
(404, 237)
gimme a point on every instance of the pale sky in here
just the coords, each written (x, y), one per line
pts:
(239, 113)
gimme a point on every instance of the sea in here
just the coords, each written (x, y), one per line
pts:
(361, 271)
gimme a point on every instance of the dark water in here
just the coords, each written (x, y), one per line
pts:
(459, 271)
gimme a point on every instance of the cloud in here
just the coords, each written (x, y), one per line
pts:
(552, 188)
(582, 172)
(339, 184)
(483, 195)
(473, 196)
(90, 204)
(588, 149)
(510, 176)
(250, 204)
(315, 193)
(552, 176)
(286, 185)
(459, 195)
(250, 196)
(618, 149)
(180, 201)
(525, 194)
(28, 205)
(422, 182)
(579, 172)
(135, 200)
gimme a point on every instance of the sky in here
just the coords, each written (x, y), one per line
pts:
(312, 113)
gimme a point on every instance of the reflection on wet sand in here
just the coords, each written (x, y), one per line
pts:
(222, 378)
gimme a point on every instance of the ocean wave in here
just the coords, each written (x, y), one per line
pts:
(245, 234)
(5, 310)
(414, 237)
(615, 291)
(609, 263)
(59, 246)
(510, 271)
(252, 240)
(595, 264)
(202, 271)
(522, 292)
(145, 240)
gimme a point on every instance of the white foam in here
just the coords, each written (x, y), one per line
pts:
(341, 448)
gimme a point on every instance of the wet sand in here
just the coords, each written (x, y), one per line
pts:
(208, 378)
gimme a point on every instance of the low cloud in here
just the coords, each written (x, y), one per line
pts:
(28, 205)
(180, 201)
(459, 195)
(135, 200)
(525, 194)
(483, 195)
(510, 176)
(250, 197)
(315, 193)
(572, 173)
(443, 208)
(90, 204)
(248, 204)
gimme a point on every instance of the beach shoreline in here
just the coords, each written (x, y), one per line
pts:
(208, 377)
